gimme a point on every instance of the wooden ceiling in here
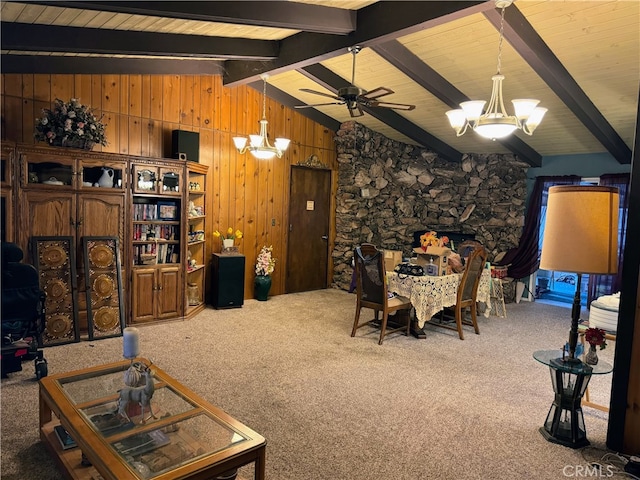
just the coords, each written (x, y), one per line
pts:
(580, 58)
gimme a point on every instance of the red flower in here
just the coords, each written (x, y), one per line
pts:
(595, 336)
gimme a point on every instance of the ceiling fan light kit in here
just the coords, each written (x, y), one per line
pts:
(259, 145)
(355, 98)
(494, 123)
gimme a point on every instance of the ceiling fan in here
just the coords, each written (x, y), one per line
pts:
(355, 98)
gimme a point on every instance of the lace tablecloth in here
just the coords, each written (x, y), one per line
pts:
(430, 294)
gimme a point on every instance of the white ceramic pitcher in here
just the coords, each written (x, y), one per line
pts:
(106, 180)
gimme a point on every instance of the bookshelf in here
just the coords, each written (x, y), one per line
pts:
(195, 271)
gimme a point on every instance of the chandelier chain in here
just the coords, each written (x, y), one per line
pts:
(500, 42)
(264, 98)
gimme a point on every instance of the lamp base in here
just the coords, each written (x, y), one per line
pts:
(567, 442)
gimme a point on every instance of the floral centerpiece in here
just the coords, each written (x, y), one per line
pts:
(596, 337)
(70, 124)
(265, 263)
(430, 239)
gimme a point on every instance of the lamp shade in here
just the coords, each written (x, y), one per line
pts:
(581, 230)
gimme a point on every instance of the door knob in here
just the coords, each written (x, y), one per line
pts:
(324, 237)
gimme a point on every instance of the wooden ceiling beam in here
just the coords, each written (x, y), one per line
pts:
(403, 59)
(288, 15)
(107, 66)
(53, 38)
(331, 81)
(379, 22)
(530, 46)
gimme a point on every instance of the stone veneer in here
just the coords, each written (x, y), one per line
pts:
(387, 190)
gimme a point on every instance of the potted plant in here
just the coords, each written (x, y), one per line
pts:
(265, 264)
(70, 124)
(228, 239)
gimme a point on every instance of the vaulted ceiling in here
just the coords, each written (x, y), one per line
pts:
(581, 59)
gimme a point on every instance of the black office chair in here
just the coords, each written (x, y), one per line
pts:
(22, 313)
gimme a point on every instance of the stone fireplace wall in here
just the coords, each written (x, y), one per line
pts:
(387, 190)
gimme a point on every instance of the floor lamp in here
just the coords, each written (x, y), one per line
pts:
(580, 236)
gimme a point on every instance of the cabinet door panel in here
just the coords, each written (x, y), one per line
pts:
(170, 293)
(102, 216)
(143, 290)
(45, 214)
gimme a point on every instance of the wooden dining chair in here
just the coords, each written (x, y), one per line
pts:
(371, 291)
(467, 294)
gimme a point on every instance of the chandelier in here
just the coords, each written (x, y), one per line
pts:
(494, 122)
(259, 145)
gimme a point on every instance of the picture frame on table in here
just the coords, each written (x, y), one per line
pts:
(168, 211)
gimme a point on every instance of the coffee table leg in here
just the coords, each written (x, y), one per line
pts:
(260, 464)
(45, 411)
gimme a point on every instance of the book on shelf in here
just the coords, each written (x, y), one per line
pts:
(66, 442)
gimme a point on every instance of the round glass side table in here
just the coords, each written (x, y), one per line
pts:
(565, 423)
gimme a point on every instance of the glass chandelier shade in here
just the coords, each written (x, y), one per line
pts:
(495, 123)
(259, 145)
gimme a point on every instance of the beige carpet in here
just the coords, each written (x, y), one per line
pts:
(336, 407)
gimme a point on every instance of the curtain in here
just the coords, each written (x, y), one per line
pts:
(607, 284)
(523, 260)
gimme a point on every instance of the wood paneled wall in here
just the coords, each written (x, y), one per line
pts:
(140, 112)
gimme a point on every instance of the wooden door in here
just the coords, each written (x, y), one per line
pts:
(45, 214)
(308, 243)
(169, 294)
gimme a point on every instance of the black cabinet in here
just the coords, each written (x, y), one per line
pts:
(227, 286)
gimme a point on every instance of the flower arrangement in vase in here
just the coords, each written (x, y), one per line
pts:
(70, 124)
(265, 265)
(228, 238)
(595, 337)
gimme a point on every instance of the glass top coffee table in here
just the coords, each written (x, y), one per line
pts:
(178, 436)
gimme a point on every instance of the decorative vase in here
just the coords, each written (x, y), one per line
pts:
(227, 242)
(262, 286)
(591, 358)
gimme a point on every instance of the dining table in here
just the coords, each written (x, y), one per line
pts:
(430, 294)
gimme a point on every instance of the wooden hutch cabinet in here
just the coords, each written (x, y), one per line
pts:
(61, 195)
(157, 238)
(49, 191)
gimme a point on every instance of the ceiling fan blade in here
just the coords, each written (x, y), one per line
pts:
(378, 92)
(395, 106)
(308, 90)
(318, 105)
